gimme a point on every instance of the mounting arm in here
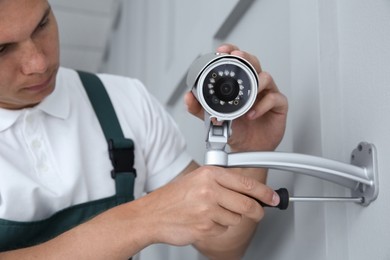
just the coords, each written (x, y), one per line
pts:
(360, 176)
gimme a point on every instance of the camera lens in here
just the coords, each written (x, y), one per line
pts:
(226, 89)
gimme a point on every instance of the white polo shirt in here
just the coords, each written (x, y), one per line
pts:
(55, 155)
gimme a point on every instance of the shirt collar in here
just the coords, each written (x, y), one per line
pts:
(8, 118)
(57, 104)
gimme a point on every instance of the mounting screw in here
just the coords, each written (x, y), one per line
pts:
(362, 187)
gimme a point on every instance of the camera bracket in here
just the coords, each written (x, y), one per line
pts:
(360, 176)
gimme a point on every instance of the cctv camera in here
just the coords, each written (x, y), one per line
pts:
(225, 85)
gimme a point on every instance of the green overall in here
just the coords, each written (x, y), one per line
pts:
(14, 234)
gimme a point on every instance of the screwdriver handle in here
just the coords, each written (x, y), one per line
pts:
(284, 199)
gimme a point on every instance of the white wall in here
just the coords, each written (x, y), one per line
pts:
(332, 60)
(85, 27)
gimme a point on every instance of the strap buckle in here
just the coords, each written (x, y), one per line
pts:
(122, 156)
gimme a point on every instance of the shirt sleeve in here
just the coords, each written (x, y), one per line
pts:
(165, 147)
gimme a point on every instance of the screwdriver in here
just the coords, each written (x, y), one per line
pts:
(285, 199)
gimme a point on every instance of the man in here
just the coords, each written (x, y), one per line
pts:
(53, 157)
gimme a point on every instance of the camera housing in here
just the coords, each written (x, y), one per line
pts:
(225, 85)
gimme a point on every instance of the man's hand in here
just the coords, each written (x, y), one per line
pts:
(263, 126)
(203, 204)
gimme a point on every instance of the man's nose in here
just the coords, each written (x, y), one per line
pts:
(33, 60)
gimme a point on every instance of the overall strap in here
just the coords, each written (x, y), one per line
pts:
(121, 149)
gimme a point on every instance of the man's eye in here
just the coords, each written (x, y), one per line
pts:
(44, 23)
(3, 48)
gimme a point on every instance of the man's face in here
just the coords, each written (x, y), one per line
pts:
(29, 52)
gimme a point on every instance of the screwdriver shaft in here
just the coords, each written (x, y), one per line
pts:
(326, 199)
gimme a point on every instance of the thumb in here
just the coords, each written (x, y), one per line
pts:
(193, 105)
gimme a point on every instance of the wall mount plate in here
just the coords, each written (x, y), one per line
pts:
(365, 156)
